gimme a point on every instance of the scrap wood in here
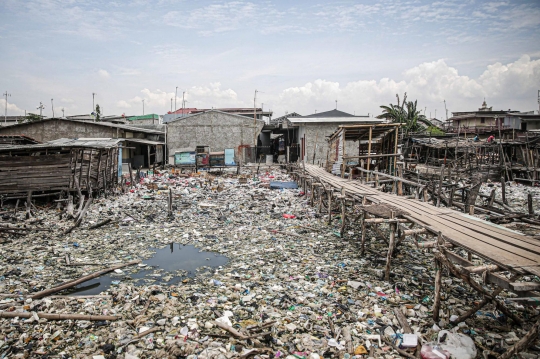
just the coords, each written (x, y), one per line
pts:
(524, 343)
(401, 352)
(51, 316)
(230, 329)
(146, 332)
(101, 224)
(73, 283)
(24, 228)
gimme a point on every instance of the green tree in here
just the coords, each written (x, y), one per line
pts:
(406, 113)
(32, 117)
(98, 112)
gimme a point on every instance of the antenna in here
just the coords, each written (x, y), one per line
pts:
(63, 112)
(336, 104)
(40, 108)
(93, 96)
(143, 106)
(52, 107)
(6, 95)
(538, 102)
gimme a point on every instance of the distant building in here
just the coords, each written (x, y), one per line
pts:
(150, 119)
(525, 121)
(247, 112)
(483, 120)
(10, 120)
(309, 134)
(216, 129)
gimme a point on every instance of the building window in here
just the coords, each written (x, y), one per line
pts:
(482, 120)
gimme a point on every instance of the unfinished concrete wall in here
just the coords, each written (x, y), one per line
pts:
(216, 129)
(50, 130)
(317, 135)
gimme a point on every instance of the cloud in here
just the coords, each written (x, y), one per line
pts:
(430, 83)
(12, 109)
(123, 104)
(103, 74)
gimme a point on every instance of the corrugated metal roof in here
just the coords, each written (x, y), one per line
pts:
(68, 142)
(335, 120)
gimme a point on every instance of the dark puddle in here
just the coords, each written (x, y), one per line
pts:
(169, 259)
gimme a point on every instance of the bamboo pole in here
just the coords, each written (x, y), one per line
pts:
(369, 150)
(73, 283)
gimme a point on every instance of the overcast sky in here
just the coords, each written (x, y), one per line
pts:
(301, 55)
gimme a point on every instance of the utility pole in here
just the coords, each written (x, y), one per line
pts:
(143, 107)
(445, 110)
(40, 108)
(52, 107)
(175, 96)
(93, 98)
(255, 120)
(6, 95)
(63, 112)
(336, 104)
(183, 102)
(538, 102)
(171, 104)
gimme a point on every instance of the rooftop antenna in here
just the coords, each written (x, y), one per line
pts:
(52, 106)
(143, 106)
(6, 95)
(336, 104)
(171, 104)
(93, 97)
(63, 112)
(40, 108)
(538, 102)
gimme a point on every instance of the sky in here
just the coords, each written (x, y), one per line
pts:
(301, 56)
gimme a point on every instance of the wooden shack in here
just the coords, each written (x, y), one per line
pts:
(63, 165)
(377, 147)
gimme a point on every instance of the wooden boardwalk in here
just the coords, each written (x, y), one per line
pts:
(507, 249)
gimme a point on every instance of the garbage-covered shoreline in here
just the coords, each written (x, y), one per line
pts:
(292, 287)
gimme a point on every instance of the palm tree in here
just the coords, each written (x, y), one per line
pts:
(405, 113)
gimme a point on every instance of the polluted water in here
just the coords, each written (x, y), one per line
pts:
(175, 262)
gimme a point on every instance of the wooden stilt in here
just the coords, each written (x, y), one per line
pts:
(363, 226)
(329, 192)
(343, 213)
(393, 227)
(437, 297)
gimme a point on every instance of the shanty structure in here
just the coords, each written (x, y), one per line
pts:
(373, 146)
(10, 140)
(64, 165)
(515, 159)
(145, 146)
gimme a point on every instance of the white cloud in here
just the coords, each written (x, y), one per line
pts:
(123, 104)
(12, 109)
(504, 86)
(104, 74)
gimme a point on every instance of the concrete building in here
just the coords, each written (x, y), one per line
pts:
(247, 112)
(483, 120)
(145, 146)
(308, 135)
(150, 119)
(216, 129)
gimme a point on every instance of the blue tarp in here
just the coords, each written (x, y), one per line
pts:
(280, 185)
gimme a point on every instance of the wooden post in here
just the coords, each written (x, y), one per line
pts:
(400, 175)
(437, 298)
(104, 183)
(343, 202)
(170, 202)
(369, 151)
(530, 204)
(440, 186)
(503, 189)
(29, 205)
(311, 194)
(395, 149)
(390, 247)
(343, 161)
(424, 194)
(362, 172)
(88, 186)
(491, 197)
(329, 192)
(363, 225)
(130, 174)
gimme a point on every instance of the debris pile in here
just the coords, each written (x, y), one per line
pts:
(292, 288)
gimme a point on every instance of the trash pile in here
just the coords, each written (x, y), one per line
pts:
(291, 288)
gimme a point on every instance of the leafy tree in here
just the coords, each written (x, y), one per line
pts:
(32, 117)
(98, 112)
(406, 113)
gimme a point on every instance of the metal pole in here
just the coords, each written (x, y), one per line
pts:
(93, 98)
(6, 95)
(175, 96)
(254, 121)
(52, 106)
(171, 104)
(143, 107)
